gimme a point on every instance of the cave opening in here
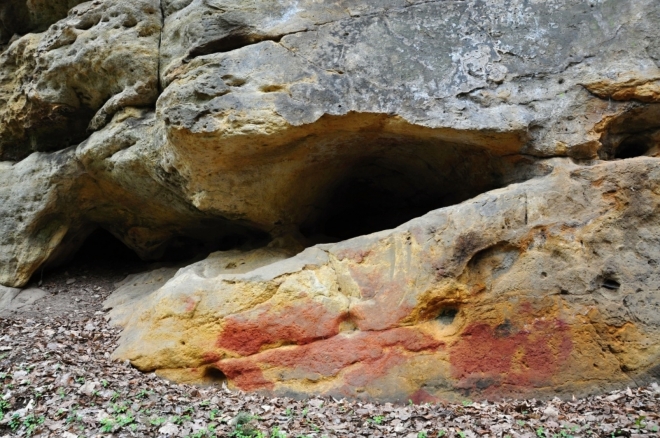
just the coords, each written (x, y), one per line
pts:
(101, 247)
(632, 147)
(97, 253)
(400, 183)
(633, 133)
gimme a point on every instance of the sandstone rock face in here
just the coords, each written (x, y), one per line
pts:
(540, 288)
(101, 58)
(262, 128)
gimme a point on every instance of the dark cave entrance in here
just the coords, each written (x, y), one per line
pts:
(101, 247)
(634, 146)
(97, 253)
(402, 183)
(100, 253)
(373, 199)
(634, 133)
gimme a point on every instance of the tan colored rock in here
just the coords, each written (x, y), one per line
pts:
(34, 194)
(54, 85)
(290, 119)
(114, 180)
(540, 288)
(628, 87)
(307, 121)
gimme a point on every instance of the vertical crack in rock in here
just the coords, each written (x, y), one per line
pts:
(160, 43)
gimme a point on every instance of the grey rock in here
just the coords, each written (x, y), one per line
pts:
(12, 299)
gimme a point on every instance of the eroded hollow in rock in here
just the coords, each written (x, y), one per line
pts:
(98, 250)
(405, 179)
(634, 133)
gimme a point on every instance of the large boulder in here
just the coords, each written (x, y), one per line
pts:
(417, 89)
(541, 288)
(117, 180)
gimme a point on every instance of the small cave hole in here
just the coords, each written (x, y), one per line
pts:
(214, 375)
(447, 316)
(227, 43)
(634, 133)
(632, 147)
(611, 284)
(271, 88)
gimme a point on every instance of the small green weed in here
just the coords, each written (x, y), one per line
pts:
(158, 421)
(120, 408)
(4, 407)
(277, 433)
(378, 419)
(30, 423)
(243, 427)
(107, 425)
(214, 414)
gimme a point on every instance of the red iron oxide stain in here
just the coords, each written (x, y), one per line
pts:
(300, 324)
(245, 374)
(420, 396)
(376, 352)
(190, 304)
(210, 358)
(489, 356)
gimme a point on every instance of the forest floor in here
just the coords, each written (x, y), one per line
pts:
(57, 380)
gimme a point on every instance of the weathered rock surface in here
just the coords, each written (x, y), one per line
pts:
(489, 78)
(195, 125)
(543, 287)
(113, 180)
(101, 58)
(12, 299)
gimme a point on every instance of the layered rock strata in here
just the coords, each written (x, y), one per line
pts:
(196, 125)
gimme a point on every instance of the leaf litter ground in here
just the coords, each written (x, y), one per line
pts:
(57, 380)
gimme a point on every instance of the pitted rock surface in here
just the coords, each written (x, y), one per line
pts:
(403, 199)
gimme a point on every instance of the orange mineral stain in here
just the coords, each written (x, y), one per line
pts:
(486, 356)
(374, 353)
(298, 324)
